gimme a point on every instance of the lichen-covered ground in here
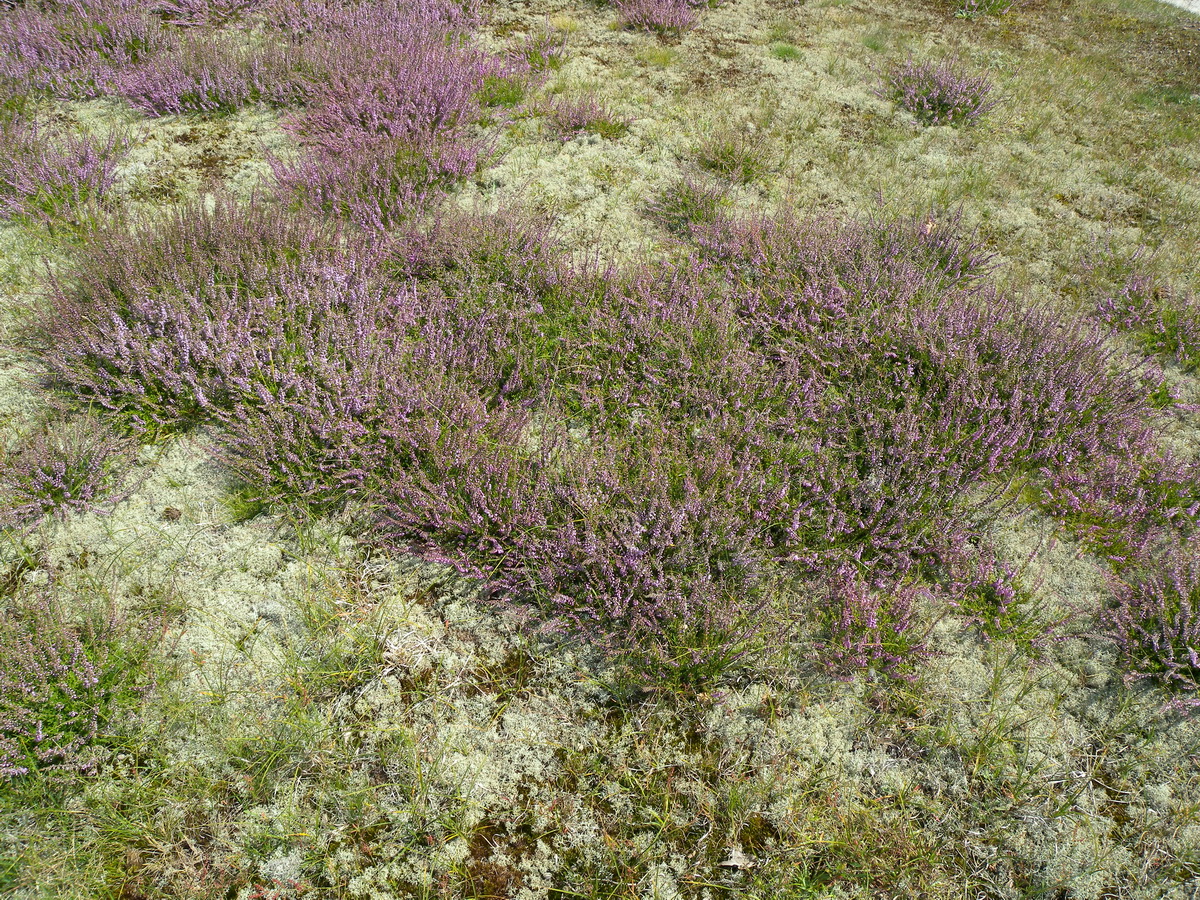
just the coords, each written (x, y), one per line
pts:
(327, 718)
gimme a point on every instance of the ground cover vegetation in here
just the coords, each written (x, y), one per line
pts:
(363, 539)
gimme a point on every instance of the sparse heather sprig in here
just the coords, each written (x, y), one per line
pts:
(686, 204)
(61, 468)
(970, 9)
(739, 155)
(543, 50)
(66, 671)
(50, 174)
(938, 94)
(1155, 622)
(666, 17)
(572, 116)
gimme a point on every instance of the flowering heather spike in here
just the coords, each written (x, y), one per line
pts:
(938, 94)
(48, 174)
(1156, 622)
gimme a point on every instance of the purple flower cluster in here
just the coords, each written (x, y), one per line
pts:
(938, 94)
(50, 173)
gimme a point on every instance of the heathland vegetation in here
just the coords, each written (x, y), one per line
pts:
(586, 449)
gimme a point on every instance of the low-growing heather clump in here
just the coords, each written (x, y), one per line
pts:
(389, 96)
(666, 17)
(67, 673)
(542, 51)
(686, 204)
(60, 468)
(648, 454)
(572, 116)
(49, 173)
(1162, 321)
(737, 155)
(938, 93)
(1155, 621)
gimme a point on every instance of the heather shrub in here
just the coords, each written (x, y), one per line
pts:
(1155, 621)
(69, 672)
(192, 13)
(868, 626)
(207, 72)
(1118, 504)
(643, 453)
(571, 117)
(72, 47)
(141, 326)
(938, 94)
(389, 95)
(1161, 321)
(666, 17)
(542, 51)
(377, 186)
(60, 468)
(50, 174)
